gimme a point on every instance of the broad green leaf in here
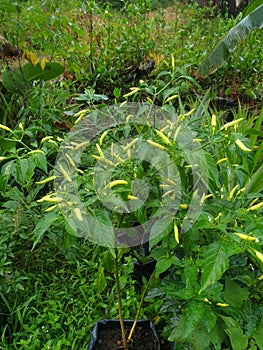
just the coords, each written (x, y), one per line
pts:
(205, 224)
(213, 173)
(171, 327)
(163, 265)
(182, 293)
(7, 144)
(192, 318)
(159, 230)
(51, 71)
(230, 42)
(14, 82)
(169, 92)
(40, 161)
(209, 319)
(190, 240)
(200, 339)
(234, 294)
(159, 253)
(21, 169)
(177, 333)
(117, 92)
(233, 330)
(42, 226)
(229, 322)
(251, 7)
(215, 261)
(15, 194)
(237, 338)
(217, 336)
(24, 170)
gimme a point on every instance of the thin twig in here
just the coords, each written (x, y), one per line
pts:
(139, 308)
(123, 334)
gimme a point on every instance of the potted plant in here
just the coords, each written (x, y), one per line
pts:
(124, 333)
(123, 188)
(126, 190)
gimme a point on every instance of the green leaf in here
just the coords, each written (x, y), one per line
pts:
(163, 265)
(233, 330)
(209, 319)
(24, 170)
(159, 253)
(180, 293)
(100, 283)
(193, 316)
(42, 226)
(108, 261)
(200, 339)
(251, 7)
(159, 230)
(190, 275)
(237, 338)
(217, 336)
(255, 183)
(215, 261)
(229, 43)
(177, 332)
(234, 294)
(229, 322)
(117, 92)
(40, 161)
(7, 171)
(21, 168)
(7, 144)
(213, 173)
(51, 71)
(14, 82)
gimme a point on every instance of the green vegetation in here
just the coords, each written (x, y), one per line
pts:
(61, 64)
(235, 36)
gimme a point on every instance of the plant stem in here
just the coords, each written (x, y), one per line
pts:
(139, 307)
(91, 37)
(123, 335)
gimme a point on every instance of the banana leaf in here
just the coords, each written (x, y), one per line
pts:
(251, 7)
(229, 43)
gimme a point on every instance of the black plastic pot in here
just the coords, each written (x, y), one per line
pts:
(143, 270)
(112, 324)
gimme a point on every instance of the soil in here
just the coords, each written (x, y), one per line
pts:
(110, 339)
